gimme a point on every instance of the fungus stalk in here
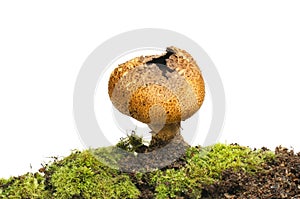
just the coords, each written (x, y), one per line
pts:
(164, 135)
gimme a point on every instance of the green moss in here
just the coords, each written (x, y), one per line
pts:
(174, 183)
(86, 174)
(82, 175)
(204, 166)
(208, 163)
(26, 186)
(131, 142)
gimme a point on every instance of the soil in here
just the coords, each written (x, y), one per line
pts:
(280, 178)
(155, 156)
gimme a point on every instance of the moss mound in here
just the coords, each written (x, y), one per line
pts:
(209, 172)
(204, 167)
(80, 175)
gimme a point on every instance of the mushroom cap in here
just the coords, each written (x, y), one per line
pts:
(158, 89)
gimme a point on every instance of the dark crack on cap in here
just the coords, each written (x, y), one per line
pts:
(161, 63)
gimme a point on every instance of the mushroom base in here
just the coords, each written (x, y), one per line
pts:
(165, 135)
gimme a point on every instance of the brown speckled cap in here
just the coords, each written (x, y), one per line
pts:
(158, 89)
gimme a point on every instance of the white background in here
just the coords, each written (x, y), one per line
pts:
(255, 46)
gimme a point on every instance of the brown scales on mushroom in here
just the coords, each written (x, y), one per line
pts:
(159, 90)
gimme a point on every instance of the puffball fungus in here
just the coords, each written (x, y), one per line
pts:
(159, 90)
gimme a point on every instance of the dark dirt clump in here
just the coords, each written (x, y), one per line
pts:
(148, 159)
